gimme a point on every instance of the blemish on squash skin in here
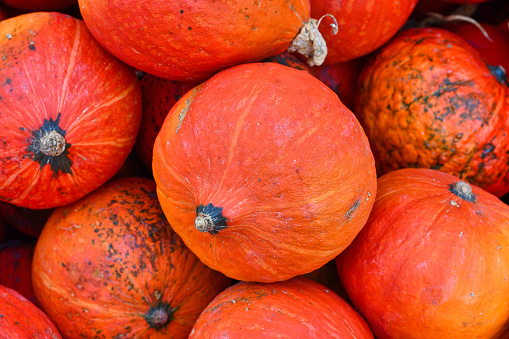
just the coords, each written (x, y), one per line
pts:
(352, 210)
(184, 111)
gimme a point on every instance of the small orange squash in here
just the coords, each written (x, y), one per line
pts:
(263, 172)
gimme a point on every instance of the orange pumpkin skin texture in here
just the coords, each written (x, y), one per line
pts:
(428, 100)
(15, 267)
(297, 308)
(159, 95)
(437, 261)
(64, 91)
(109, 266)
(20, 319)
(364, 25)
(189, 40)
(279, 166)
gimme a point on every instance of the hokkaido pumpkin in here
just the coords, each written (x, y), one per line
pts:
(189, 40)
(110, 266)
(297, 308)
(19, 318)
(263, 172)
(364, 25)
(16, 267)
(70, 111)
(432, 260)
(427, 99)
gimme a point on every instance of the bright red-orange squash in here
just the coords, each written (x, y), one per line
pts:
(432, 260)
(193, 40)
(364, 25)
(297, 308)
(427, 99)
(263, 172)
(16, 267)
(22, 319)
(110, 266)
(70, 111)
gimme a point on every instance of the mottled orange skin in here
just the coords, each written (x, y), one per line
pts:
(16, 267)
(428, 100)
(342, 78)
(363, 25)
(429, 264)
(297, 308)
(101, 263)
(193, 40)
(20, 319)
(51, 65)
(285, 159)
(158, 95)
(40, 5)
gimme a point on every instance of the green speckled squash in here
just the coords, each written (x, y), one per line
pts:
(110, 266)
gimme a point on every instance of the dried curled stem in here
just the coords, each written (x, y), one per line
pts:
(458, 17)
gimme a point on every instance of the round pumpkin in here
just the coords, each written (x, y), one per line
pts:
(363, 25)
(189, 40)
(432, 260)
(16, 267)
(110, 266)
(427, 99)
(40, 5)
(262, 166)
(19, 318)
(70, 111)
(297, 308)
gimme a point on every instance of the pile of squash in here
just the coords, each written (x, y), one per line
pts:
(254, 169)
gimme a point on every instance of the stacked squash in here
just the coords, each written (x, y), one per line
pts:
(190, 169)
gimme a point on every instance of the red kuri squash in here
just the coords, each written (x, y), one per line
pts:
(263, 172)
(297, 308)
(432, 261)
(427, 99)
(110, 266)
(19, 318)
(190, 40)
(70, 111)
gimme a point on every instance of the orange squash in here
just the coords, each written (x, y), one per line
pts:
(427, 99)
(260, 167)
(189, 40)
(432, 260)
(70, 111)
(109, 266)
(297, 308)
(22, 319)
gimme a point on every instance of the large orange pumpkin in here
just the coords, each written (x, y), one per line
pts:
(109, 266)
(427, 99)
(263, 172)
(297, 308)
(70, 111)
(432, 260)
(19, 318)
(364, 25)
(190, 40)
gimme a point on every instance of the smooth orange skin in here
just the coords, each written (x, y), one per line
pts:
(158, 95)
(285, 159)
(190, 40)
(50, 65)
(428, 100)
(429, 264)
(297, 308)
(16, 267)
(363, 25)
(101, 263)
(21, 319)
